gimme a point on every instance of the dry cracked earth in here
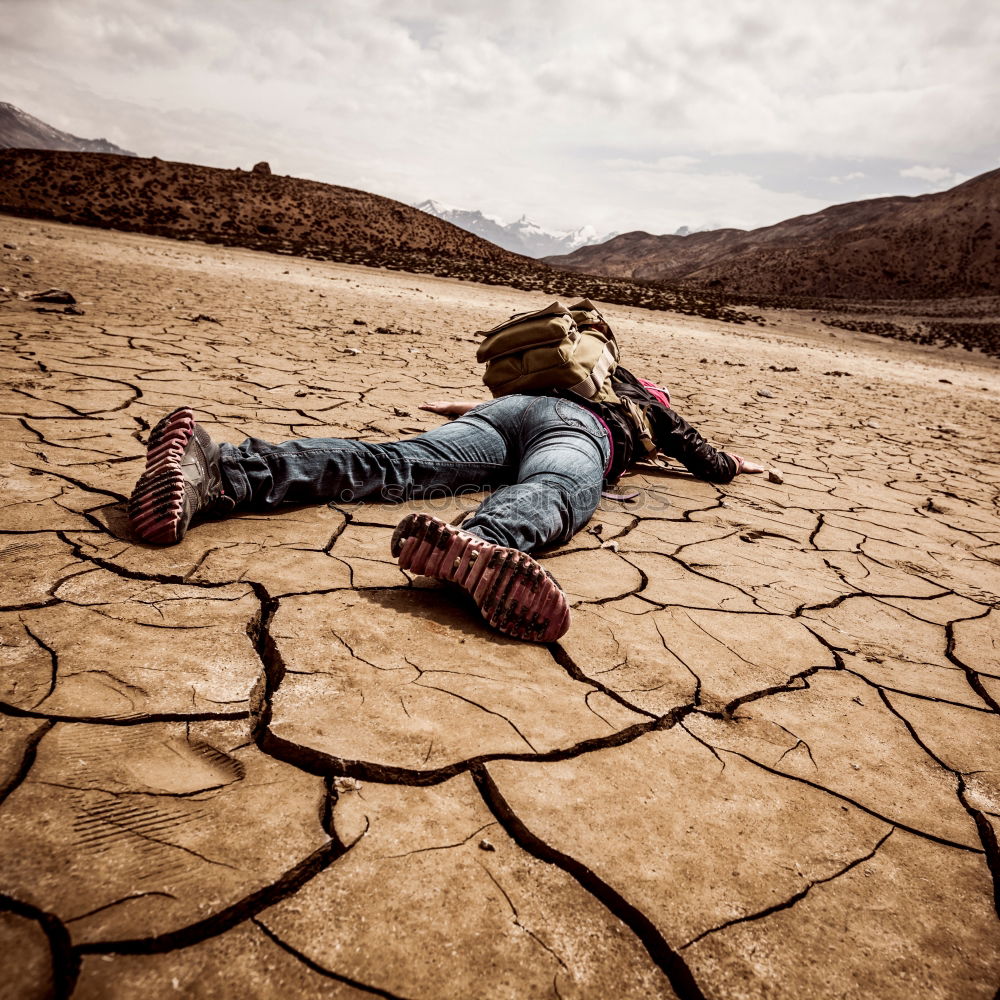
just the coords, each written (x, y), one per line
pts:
(266, 762)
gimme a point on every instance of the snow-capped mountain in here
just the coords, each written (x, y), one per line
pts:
(523, 236)
(20, 130)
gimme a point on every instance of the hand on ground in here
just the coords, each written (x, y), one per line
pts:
(443, 406)
(749, 468)
(450, 407)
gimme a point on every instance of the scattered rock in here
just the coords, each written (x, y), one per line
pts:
(838, 373)
(485, 845)
(57, 295)
(775, 476)
(765, 393)
(261, 168)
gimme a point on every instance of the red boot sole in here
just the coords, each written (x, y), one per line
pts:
(156, 507)
(513, 593)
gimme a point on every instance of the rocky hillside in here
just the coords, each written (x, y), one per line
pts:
(20, 130)
(934, 245)
(260, 210)
(242, 207)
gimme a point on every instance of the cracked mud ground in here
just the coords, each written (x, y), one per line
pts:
(266, 762)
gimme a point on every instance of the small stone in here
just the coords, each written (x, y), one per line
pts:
(261, 168)
(765, 393)
(57, 295)
(351, 350)
(485, 845)
(342, 784)
(611, 544)
(10, 246)
(775, 476)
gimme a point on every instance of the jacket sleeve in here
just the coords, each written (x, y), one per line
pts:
(676, 438)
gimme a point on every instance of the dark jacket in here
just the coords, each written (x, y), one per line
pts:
(672, 434)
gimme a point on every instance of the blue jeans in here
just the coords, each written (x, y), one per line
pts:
(544, 457)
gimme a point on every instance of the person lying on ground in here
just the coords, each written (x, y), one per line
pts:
(545, 458)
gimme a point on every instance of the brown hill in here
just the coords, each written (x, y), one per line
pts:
(232, 206)
(18, 129)
(264, 211)
(934, 245)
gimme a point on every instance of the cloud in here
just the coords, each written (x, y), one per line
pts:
(854, 175)
(932, 174)
(523, 106)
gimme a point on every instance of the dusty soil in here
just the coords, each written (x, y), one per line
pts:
(266, 762)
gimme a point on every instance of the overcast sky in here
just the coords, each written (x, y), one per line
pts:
(630, 114)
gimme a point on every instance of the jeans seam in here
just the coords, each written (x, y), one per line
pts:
(436, 462)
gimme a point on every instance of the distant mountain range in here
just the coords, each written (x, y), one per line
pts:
(288, 215)
(523, 237)
(933, 245)
(19, 130)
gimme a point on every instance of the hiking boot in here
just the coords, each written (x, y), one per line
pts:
(183, 478)
(513, 593)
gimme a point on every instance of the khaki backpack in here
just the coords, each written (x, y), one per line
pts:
(572, 349)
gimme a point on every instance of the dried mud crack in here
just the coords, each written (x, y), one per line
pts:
(266, 761)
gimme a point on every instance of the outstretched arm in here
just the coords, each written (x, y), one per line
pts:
(451, 408)
(676, 438)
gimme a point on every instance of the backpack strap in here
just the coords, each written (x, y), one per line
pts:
(638, 417)
(595, 381)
